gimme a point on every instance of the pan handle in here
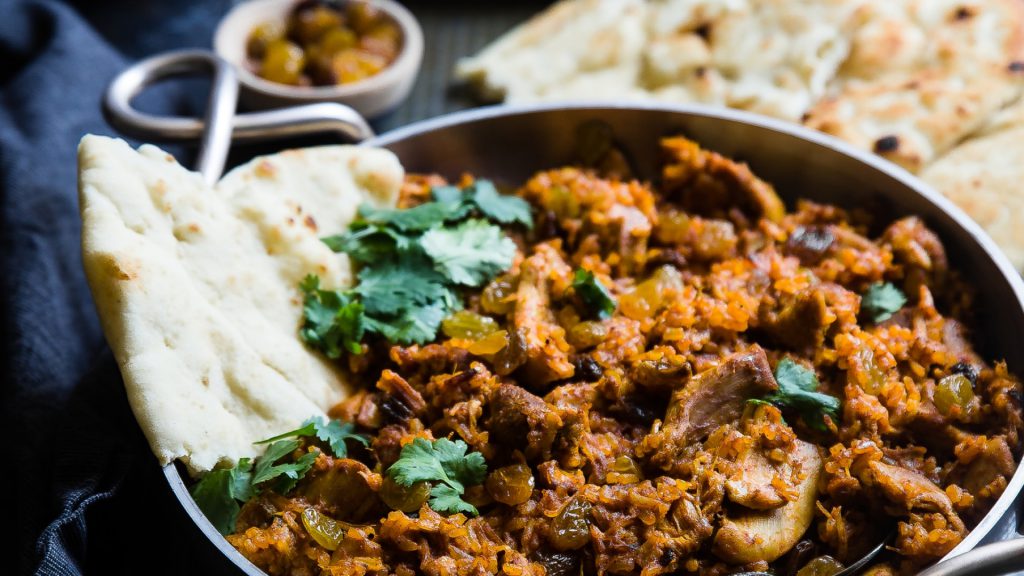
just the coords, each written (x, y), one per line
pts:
(224, 125)
(1006, 557)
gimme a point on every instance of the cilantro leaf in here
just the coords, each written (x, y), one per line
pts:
(333, 432)
(881, 301)
(417, 463)
(470, 254)
(412, 263)
(595, 296)
(367, 244)
(416, 326)
(502, 208)
(286, 474)
(468, 469)
(219, 492)
(416, 219)
(446, 194)
(444, 462)
(336, 432)
(332, 321)
(798, 390)
(397, 288)
(448, 500)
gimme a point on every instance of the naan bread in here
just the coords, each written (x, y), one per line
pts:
(912, 80)
(770, 56)
(984, 175)
(774, 57)
(569, 49)
(924, 74)
(197, 288)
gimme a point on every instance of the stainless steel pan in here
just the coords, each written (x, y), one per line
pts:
(509, 143)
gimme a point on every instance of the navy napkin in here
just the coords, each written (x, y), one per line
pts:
(86, 495)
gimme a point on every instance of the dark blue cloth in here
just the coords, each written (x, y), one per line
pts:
(86, 494)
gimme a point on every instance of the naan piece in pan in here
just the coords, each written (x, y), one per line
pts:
(198, 290)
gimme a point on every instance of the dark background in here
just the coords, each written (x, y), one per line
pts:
(82, 490)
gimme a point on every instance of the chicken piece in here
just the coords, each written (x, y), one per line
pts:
(995, 461)
(767, 535)
(342, 488)
(711, 399)
(547, 357)
(710, 184)
(920, 252)
(800, 323)
(633, 230)
(751, 486)
(909, 491)
(523, 421)
(419, 363)
(616, 216)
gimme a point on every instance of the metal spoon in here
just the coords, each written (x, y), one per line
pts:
(850, 570)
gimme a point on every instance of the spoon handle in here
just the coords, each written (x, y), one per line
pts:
(1005, 557)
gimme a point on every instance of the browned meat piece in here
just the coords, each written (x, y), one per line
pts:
(751, 485)
(991, 469)
(710, 184)
(446, 545)
(766, 536)
(547, 357)
(361, 408)
(711, 399)
(400, 401)
(343, 488)
(616, 216)
(956, 340)
(920, 252)
(810, 243)
(799, 323)
(661, 369)
(522, 421)
(906, 488)
(422, 362)
(387, 444)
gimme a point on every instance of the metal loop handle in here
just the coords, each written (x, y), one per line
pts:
(224, 125)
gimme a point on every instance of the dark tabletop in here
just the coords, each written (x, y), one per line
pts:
(86, 494)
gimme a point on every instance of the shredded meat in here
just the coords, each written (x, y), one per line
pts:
(710, 400)
(630, 444)
(710, 184)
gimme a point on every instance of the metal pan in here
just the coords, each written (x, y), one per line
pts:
(509, 143)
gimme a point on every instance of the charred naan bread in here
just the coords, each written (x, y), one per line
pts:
(197, 287)
(923, 75)
(984, 175)
(912, 80)
(569, 49)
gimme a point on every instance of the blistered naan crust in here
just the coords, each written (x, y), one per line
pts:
(774, 57)
(923, 75)
(575, 46)
(197, 287)
(984, 175)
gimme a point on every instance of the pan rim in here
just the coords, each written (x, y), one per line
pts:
(1007, 272)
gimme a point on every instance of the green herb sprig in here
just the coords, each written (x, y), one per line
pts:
(798, 391)
(447, 466)
(412, 265)
(594, 295)
(881, 300)
(220, 493)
